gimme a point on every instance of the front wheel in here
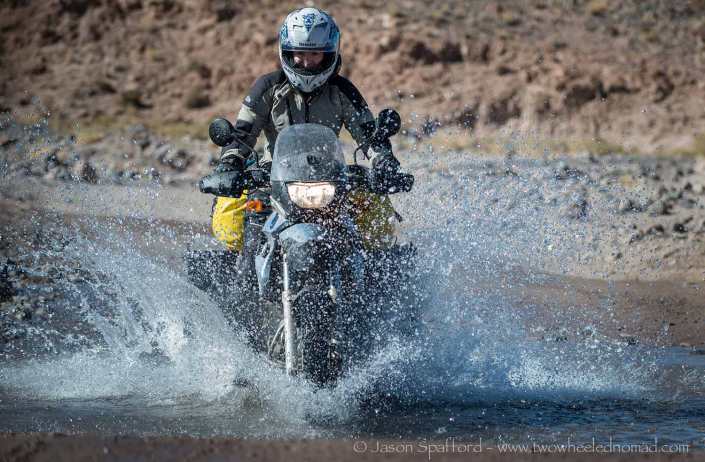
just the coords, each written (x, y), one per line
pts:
(315, 317)
(306, 333)
(312, 351)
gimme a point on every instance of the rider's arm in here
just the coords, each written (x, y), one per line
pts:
(253, 116)
(360, 122)
(357, 117)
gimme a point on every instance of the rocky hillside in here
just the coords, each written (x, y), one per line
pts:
(621, 75)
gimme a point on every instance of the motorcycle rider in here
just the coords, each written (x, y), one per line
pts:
(307, 89)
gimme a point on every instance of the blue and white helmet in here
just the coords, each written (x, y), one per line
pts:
(309, 29)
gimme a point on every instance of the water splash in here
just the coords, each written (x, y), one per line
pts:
(160, 341)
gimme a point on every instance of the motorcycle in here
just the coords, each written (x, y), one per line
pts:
(309, 294)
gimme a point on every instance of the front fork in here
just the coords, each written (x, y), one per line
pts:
(289, 321)
(306, 258)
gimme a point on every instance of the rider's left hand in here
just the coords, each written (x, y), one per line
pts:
(385, 164)
(386, 177)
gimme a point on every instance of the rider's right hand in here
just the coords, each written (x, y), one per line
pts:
(228, 165)
(231, 159)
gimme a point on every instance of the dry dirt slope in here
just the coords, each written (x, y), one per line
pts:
(621, 75)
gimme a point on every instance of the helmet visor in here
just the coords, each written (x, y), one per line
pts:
(300, 68)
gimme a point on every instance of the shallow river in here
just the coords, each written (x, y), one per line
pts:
(135, 349)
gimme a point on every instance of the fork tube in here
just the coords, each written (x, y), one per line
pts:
(289, 323)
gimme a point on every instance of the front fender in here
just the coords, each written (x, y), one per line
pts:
(307, 247)
(321, 256)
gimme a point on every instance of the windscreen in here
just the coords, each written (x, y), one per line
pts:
(307, 152)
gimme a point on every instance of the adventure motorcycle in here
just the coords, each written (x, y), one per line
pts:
(307, 292)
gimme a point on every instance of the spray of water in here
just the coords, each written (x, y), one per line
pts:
(163, 341)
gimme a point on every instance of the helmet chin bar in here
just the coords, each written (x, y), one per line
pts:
(307, 83)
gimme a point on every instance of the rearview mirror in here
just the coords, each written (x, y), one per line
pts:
(221, 131)
(388, 123)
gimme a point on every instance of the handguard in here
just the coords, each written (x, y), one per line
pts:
(228, 184)
(379, 182)
(232, 183)
(390, 183)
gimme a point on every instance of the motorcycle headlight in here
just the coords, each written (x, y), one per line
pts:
(311, 195)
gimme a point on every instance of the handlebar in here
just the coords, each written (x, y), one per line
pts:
(233, 183)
